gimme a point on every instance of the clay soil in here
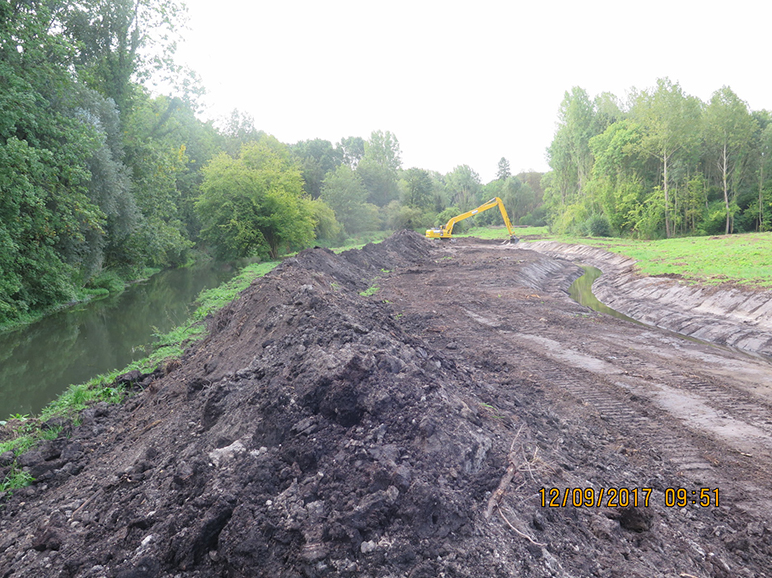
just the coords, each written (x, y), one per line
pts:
(409, 431)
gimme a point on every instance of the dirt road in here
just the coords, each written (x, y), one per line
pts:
(465, 419)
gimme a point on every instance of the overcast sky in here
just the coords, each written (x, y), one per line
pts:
(462, 83)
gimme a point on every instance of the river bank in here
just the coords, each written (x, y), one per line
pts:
(326, 428)
(725, 314)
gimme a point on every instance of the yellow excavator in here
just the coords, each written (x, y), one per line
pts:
(446, 231)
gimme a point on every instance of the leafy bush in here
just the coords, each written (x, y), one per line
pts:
(598, 226)
(108, 281)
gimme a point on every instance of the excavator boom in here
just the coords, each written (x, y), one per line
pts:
(446, 231)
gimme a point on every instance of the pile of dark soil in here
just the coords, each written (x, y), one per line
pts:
(313, 434)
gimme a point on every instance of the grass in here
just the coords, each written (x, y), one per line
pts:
(500, 232)
(361, 240)
(370, 291)
(27, 432)
(744, 259)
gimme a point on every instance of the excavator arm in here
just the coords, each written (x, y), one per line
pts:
(446, 231)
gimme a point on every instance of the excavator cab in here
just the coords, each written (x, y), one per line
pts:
(446, 231)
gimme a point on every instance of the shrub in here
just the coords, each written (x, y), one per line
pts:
(598, 226)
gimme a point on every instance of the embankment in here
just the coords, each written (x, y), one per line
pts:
(723, 314)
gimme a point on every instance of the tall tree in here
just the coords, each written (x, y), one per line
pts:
(344, 191)
(729, 128)
(503, 171)
(671, 121)
(418, 189)
(46, 214)
(317, 157)
(380, 166)
(255, 205)
(463, 186)
(121, 42)
(351, 150)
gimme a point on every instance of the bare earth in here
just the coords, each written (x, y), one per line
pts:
(320, 432)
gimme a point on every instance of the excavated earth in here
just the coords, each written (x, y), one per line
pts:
(324, 429)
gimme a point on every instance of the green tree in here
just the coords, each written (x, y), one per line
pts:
(317, 157)
(729, 129)
(418, 189)
(254, 205)
(237, 130)
(121, 42)
(380, 166)
(46, 214)
(503, 171)
(157, 157)
(671, 122)
(344, 191)
(351, 150)
(463, 187)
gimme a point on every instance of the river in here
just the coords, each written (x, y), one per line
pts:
(39, 361)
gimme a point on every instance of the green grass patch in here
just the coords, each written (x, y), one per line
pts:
(361, 240)
(500, 232)
(370, 291)
(16, 479)
(744, 259)
(214, 299)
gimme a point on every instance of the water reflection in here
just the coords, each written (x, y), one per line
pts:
(581, 292)
(38, 362)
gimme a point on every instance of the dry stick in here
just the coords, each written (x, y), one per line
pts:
(99, 492)
(498, 495)
(524, 535)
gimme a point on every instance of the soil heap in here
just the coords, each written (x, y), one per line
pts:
(315, 433)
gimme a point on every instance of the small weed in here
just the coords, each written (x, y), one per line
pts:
(370, 291)
(16, 479)
(335, 286)
(385, 270)
(51, 434)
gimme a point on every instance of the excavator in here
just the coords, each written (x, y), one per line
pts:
(446, 231)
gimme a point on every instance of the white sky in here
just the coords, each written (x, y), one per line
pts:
(462, 83)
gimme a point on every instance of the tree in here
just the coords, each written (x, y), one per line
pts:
(463, 185)
(670, 121)
(254, 205)
(46, 214)
(351, 150)
(418, 189)
(379, 167)
(317, 157)
(503, 171)
(344, 191)
(570, 155)
(121, 42)
(729, 128)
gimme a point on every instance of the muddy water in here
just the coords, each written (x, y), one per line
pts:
(38, 362)
(581, 292)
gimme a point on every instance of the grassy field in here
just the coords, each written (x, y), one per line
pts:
(501, 232)
(743, 259)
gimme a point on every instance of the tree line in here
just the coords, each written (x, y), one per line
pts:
(663, 164)
(101, 177)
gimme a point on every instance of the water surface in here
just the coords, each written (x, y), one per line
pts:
(39, 361)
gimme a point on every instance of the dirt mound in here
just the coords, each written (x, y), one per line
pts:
(317, 432)
(309, 436)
